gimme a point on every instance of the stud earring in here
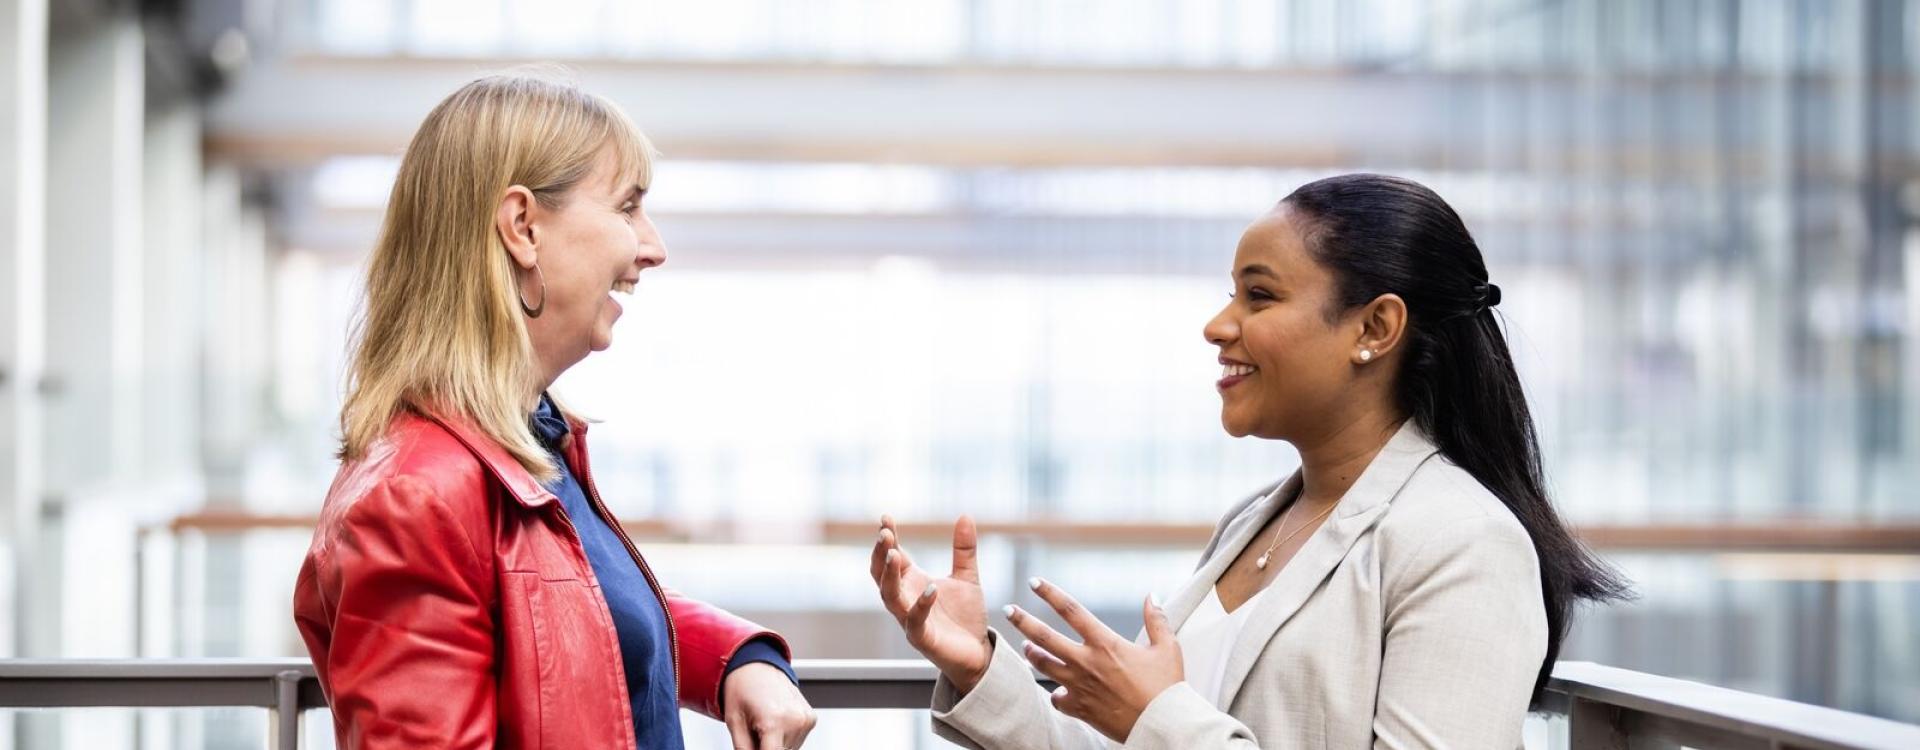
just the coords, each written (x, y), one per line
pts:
(1366, 355)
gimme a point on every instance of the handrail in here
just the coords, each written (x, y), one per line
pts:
(1610, 707)
(1605, 707)
(1786, 535)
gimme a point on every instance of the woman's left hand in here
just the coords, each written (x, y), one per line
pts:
(764, 710)
(1106, 681)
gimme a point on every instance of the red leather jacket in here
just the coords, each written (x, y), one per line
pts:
(447, 602)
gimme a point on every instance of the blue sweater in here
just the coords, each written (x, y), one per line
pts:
(646, 647)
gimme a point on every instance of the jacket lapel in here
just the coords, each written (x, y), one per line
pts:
(1244, 521)
(1363, 505)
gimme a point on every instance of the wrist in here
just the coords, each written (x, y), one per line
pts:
(966, 677)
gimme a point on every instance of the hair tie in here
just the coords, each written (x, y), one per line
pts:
(1489, 295)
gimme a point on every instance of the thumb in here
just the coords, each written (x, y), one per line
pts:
(966, 550)
(1159, 630)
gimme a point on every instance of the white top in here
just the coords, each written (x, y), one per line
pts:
(1207, 638)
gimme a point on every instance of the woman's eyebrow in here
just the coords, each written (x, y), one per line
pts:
(1257, 269)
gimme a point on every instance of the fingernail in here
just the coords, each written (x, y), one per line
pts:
(1009, 610)
(890, 554)
(1034, 583)
(928, 594)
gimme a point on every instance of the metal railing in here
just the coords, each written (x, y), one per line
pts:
(1599, 707)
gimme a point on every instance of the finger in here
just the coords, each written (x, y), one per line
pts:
(799, 736)
(922, 606)
(884, 539)
(1062, 699)
(1083, 622)
(877, 561)
(966, 550)
(1159, 630)
(890, 594)
(771, 738)
(905, 575)
(1046, 663)
(1044, 636)
(886, 542)
(906, 560)
(737, 729)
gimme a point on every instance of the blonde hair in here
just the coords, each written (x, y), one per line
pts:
(442, 330)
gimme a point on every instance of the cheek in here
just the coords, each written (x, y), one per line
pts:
(1294, 354)
(1273, 343)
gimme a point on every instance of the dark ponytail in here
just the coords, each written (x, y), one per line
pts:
(1386, 235)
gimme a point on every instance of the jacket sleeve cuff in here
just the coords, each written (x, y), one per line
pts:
(1006, 704)
(710, 637)
(762, 650)
(1179, 717)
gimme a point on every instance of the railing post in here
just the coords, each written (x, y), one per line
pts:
(1593, 726)
(286, 710)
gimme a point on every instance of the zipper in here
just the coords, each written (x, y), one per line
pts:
(593, 494)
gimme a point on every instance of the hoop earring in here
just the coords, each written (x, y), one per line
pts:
(534, 310)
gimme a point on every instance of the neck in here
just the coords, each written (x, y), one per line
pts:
(547, 367)
(1330, 463)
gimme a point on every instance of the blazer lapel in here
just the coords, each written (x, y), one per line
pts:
(1357, 511)
(1233, 539)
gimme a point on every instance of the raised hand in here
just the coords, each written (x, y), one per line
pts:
(945, 619)
(1105, 680)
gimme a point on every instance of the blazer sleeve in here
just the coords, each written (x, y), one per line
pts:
(1465, 633)
(709, 638)
(1008, 710)
(395, 604)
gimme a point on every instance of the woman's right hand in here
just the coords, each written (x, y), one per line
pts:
(945, 619)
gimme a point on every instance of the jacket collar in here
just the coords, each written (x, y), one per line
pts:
(520, 483)
(1363, 505)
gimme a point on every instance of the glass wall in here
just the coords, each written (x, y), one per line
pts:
(1702, 214)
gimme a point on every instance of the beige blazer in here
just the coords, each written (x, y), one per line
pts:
(1411, 618)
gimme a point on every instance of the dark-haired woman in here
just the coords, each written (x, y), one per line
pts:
(1409, 586)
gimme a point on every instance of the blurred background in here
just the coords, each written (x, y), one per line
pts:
(930, 257)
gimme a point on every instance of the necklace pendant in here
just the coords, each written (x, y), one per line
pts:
(1261, 563)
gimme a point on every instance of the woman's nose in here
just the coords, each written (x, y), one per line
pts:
(653, 249)
(652, 254)
(1221, 329)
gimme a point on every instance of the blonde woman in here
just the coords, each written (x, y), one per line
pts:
(1408, 587)
(466, 586)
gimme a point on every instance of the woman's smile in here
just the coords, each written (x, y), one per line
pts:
(1232, 372)
(623, 286)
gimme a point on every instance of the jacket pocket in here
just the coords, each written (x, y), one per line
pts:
(564, 681)
(522, 684)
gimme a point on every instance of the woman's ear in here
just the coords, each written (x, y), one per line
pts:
(1383, 323)
(513, 219)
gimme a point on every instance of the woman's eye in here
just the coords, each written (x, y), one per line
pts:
(1259, 295)
(629, 207)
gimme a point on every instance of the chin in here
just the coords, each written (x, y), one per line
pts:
(1233, 426)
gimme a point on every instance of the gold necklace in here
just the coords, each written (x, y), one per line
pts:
(1261, 563)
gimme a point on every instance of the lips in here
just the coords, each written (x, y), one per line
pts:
(1231, 373)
